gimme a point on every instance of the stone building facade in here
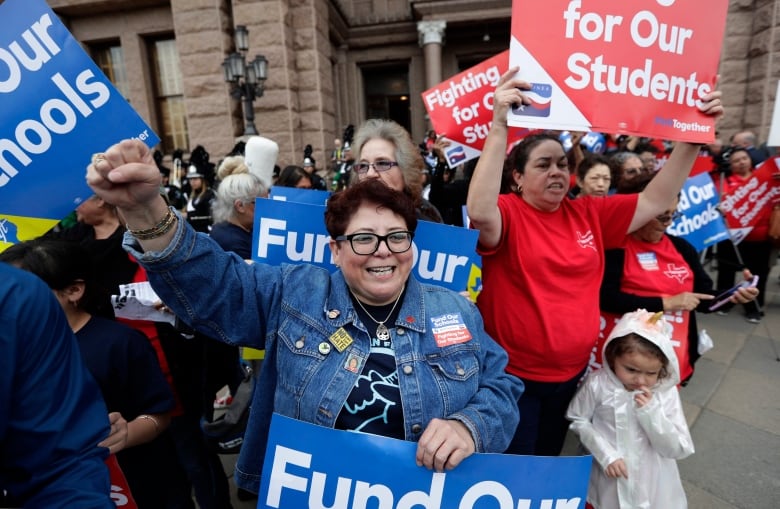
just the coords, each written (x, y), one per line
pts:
(336, 62)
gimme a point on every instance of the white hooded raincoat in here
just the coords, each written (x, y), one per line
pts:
(649, 439)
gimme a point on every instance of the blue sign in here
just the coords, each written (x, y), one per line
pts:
(311, 196)
(699, 221)
(289, 232)
(58, 109)
(308, 466)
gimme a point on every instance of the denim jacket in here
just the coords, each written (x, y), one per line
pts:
(293, 310)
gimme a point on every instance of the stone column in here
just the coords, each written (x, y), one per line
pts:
(431, 36)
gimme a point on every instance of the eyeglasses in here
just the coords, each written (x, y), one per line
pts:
(664, 218)
(367, 243)
(362, 167)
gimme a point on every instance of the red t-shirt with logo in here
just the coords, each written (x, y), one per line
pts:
(657, 270)
(540, 285)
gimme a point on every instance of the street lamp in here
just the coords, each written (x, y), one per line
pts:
(247, 78)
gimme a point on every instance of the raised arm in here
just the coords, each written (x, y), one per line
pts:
(127, 177)
(482, 200)
(662, 190)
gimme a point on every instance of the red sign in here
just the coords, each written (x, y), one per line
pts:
(745, 205)
(634, 67)
(120, 490)
(461, 109)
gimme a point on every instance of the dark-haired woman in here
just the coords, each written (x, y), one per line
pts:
(294, 176)
(660, 272)
(755, 250)
(543, 256)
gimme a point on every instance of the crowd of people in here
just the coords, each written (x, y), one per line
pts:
(551, 220)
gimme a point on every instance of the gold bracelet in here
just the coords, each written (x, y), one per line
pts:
(150, 418)
(158, 230)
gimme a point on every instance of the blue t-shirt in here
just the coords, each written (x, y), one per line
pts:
(52, 414)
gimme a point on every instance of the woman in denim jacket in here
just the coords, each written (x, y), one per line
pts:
(366, 348)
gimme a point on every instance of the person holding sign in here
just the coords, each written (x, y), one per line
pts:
(629, 416)
(660, 272)
(755, 250)
(386, 152)
(543, 256)
(366, 348)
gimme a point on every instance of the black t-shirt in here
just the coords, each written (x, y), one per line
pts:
(125, 365)
(374, 405)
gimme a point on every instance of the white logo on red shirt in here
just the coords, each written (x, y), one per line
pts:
(680, 273)
(586, 240)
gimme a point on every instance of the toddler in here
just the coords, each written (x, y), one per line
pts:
(629, 416)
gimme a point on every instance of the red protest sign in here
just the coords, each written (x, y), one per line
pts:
(634, 67)
(120, 489)
(461, 109)
(703, 164)
(746, 204)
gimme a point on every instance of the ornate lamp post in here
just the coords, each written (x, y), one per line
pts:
(247, 79)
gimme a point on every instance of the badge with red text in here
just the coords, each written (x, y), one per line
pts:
(449, 330)
(636, 67)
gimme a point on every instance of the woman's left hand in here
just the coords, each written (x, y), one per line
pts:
(444, 444)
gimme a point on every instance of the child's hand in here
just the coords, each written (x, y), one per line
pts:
(643, 396)
(617, 469)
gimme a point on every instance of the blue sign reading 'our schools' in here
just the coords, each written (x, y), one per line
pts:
(308, 466)
(290, 232)
(57, 108)
(699, 221)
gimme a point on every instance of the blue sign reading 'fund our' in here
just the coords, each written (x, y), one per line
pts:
(309, 466)
(290, 232)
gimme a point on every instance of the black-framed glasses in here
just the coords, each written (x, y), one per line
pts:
(367, 243)
(380, 166)
(663, 218)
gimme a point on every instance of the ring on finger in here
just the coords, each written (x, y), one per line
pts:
(96, 158)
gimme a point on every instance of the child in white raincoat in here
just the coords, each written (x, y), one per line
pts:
(629, 416)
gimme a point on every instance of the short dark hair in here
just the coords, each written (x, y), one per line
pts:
(59, 263)
(291, 175)
(589, 162)
(343, 205)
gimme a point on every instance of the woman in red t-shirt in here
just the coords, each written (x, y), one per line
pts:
(659, 272)
(756, 249)
(542, 260)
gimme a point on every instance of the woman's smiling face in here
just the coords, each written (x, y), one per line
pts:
(378, 278)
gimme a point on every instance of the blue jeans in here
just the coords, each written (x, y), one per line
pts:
(543, 424)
